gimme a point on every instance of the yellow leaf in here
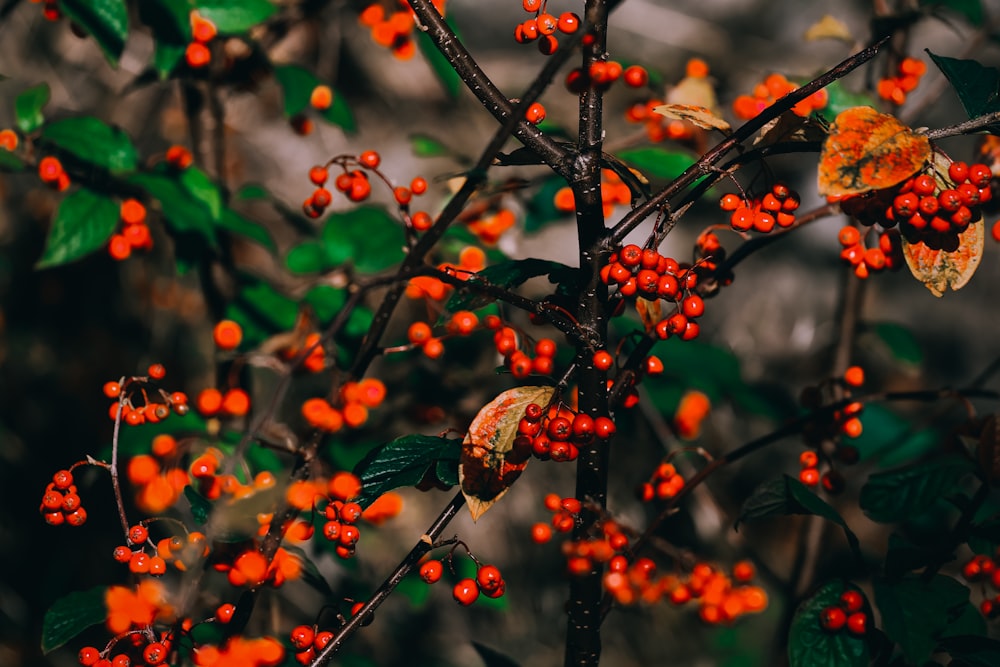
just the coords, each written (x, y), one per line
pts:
(701, 117)
(696, 91)
(829, 27)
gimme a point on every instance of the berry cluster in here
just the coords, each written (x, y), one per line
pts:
(555, 433)
(356, 398)
(211, 402)
(647, 273)
(663, 484)
(61, 502)
(307, 641)
(895, 88)
(470, 260)
(151, 654)
(762, 213)
(659, 127)
(767, 92)
(888, 254)
(488, 581)
(354, 182)
(613, 192)
(243, 651)
(982, 568)
(50, 170)
(179, 158)
(198, 54)
(490, 226)
(251, 569)
(845, 422)
(394, 30)
(543, 26)
(932, 208)
(847, 612)
(519, 362)
(340, 526)
(602, 74)
(135, 233)
(128, 391)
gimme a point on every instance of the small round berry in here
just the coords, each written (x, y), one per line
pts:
(604, 427)
(138, 534)
(88, 656)
(431, 571)
(488, 578)
(568, 23)
(370, 159)
(832, 619)
(225, 612)
(541, 533)
(227, 335)
(157, 371)
(197, 55)
(321, 98)
(465, 591)
(418, 185)
(319, 175)
(635, 76)
(62, 479)
(535, 113)
(852, 601)
(854, 376)
(857, 623)
(302, 637)
(603, 360)
(155, 654)
(809, 476)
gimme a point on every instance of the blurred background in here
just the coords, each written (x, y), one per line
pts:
(65, 331)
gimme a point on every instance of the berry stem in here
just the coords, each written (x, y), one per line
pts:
(113, 467)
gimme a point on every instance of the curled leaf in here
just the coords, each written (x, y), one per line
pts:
(867, 150)
(698, 116)
(485, 470)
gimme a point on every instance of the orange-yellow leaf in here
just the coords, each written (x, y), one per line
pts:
(695, 91)
(829, 27)
(488, 464)
(650, 312)
(698, 116)
(867, 150)
(939, 269)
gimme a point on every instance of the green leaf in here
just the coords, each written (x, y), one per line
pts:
(170, 23)
(790, 496)
(326, 301)
(28, 108)
(445, 73)
(200, 186)
(426, 146)
(402, 462)
(917, 613)
(972, 10)
(901, 342)
(71, 615)
(105, 20)
(972, 650)
(234, 222)
(276, 311)
(367, 236)
(183, 212)
(297, 84)
(540, 210)
(809, 645)
(978, 87)
(253, 191)
(507, 274)
(656, 162)
(307, 257)
(339, 113)
(897, 495)
(839, 99)
(201, 507)
(83, 223)
(235, 17)
(904, 556)
(10, 162)
(93, 141)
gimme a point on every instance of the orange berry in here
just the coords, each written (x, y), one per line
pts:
(132, 212)
(370, 159)
(535, 113)
(118, 247)
(236, 402)
(321, 98)
(49, 169)
(142, 469)
(344, 486)
(355, 414)
(564, 200)
(157, 371)
(8, 140)
(696, 68)
(227, 335)
(209, 402)
(197, 55)
(164, 445)
(854, 376)
(202, 29)
(179, 157)
(472, 258)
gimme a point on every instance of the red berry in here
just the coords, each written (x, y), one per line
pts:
(318, 175)
(370, 159)
(535, 113)
(155, 654)
(138, 534)
(832, 619)
(431, 571)
(604, 427)
(225, 612)
(303, 637)
(568, 23)
(857, 623)
(88, 656)
(603, 360)
(465, 591)
(488, 578)
(635, 76)
(852, 600)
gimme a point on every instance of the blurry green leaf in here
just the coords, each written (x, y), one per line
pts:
(326, 301)
(10, 162)
(917, 613)
(840, 99)
(972, 10)
(339, 113)
(71, 615)
(896, 495)
(359, 323)
(657, 163)
(971, 650)
(809, 645)
(415, 590)
(402, 462)
(253, 191)
(273, 310)
(507, 275)
(83, 223)
(234, 17)
(901, 342)
(541, 210)
(445, 73)
(492, 657)
(890, 438)
(426, 146)
(93, 141)
(183, 212)
(28, 108)
(790, 496)
(105, 20)
(297, 84)
(170, 23)
(978, 87)
(201, 508)
(307, 257)
(165, 58)
(200, 186)
(367, 236)
(236, 223)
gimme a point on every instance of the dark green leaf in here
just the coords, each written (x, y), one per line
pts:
(896, 495)
(340, 114)
(892, 439)
(917, 613)
(426, 146)
(183, 212)
(972, 650)
(276, 311)
(901, 342)
(978, 87)
(359, 323)
(972, 10)
(10, 162)
(809, 645)
(656, 162)
(201, 508)
(237, 224)
(905, 556)
(170, 22)
(297, 84)
(415, 590)
(367, 236)
(83, 223)
(200, 186)
(790, 496)
(326, 302)
(446, 74)
(446, 471)
(402, 462)
(540, 210)
(307, 257)
(71, 615)
(505, 274)
(234, 17)
(492, 657)
(984, 536)
(28, 108)
(105, 20)
(253, 191)
(93, 141)
(165, 58)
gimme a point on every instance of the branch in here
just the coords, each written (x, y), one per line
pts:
(970, 126)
